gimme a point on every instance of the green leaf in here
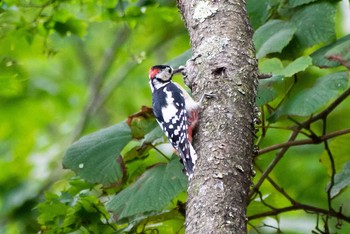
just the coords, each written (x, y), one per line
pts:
(308, 101)
(317, 27)
(153, 135)
(269, 89)
(96, 157)
(274, 66)
(74, 26)
(273, 37)
(259, 11)
(323, 56)
(142, 122)
(341, 180)
(295, 3)
(49, 212)
(151, 192)
(298, 65)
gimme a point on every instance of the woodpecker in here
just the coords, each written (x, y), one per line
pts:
(176, 113)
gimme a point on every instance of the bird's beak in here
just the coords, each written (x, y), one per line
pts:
(178, 70)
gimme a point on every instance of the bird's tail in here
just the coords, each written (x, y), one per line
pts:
(189, 158)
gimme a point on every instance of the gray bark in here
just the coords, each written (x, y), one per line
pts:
(223, 63)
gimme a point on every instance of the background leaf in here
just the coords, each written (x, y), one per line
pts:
(151, 192)
(96, 157)
(340, 47)
(295, 3)
(269, 89)
(298, 65)
(341, 180)
(273, 65)
(317, 27)
(308, 101)
(273, 37)
(259, 11)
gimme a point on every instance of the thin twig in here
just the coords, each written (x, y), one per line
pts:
(295, 133)
(168, 159)
(299, 206)
(278, 157)
(305, 141)
(333, 171)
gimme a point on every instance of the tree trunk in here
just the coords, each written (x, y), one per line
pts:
(223, 64)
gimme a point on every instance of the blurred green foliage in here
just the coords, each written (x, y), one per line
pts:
(74, 68)
(68, 68)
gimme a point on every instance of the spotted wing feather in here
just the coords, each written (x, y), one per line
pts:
(169, 109)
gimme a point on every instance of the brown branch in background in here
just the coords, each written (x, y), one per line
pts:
(264, 76)
(294, 206)
(314, 139)
(274, 162)
(305, 141)
(300, 206)
(333, 171)
(96, 81)
(296, 130)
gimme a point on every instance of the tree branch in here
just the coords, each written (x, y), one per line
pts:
(296, 131)
(317, 140)
(278, 157)
(96, 81)
(299, 206)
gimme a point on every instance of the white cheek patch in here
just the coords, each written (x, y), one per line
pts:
(164, 75)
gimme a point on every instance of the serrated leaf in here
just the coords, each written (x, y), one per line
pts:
(323, 56)
(96, 157)
(341, 180)
(308, 101)
(317, 27)
(151, 192)
(298, 65)
(273, 37)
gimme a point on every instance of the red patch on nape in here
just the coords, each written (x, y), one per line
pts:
(153, 72)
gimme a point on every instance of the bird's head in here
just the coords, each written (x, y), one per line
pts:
(162, 73)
